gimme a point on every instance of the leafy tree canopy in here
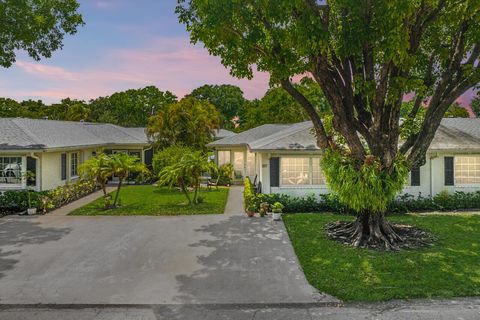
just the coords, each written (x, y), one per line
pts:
(365, 56)
(36, 26)
(227, 98)
(130, 108)
(476, 105)
(456, 111)
(277, 106)
(189, 122)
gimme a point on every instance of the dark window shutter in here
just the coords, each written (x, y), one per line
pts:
(415, 177)
(32, 167)
(449, 171)
(63, 162)
(148, 158)
(274, 172)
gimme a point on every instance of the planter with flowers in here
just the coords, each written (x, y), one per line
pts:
(277, 209)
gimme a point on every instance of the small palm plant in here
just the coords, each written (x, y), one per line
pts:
(187, 173)
(98, 169)
(175, 175)
(121, 165)
(195, 164)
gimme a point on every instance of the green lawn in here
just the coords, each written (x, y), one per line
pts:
(451, 268)
(150, 200)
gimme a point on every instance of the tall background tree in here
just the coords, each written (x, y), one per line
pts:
(456, 111)
(130, 108)
(365, 56)
(35, 26)
(277, 106)
(228, 99)
(190, 122)
(476, 105)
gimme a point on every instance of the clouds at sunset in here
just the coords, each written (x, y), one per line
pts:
(168, 63)
(124, 45)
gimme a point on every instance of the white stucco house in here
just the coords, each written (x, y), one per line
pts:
(284, 158)
(53, 150)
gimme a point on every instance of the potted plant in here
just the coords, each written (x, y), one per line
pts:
(251, 208)
(28, 176)
(264, 209)
(277, 209)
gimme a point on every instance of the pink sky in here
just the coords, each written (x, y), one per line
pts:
(123, 45)
(169, 63)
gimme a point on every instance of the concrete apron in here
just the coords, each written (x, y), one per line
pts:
(136, 260)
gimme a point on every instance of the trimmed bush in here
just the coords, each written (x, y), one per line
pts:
(17, 201)
(443, 201)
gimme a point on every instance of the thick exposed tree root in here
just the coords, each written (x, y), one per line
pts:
(373, 231)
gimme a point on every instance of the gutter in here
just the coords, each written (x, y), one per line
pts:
(141, 145)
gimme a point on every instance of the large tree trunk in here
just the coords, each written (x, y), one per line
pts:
(368, 230)
(374, 231)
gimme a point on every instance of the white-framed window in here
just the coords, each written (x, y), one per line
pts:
(10, 170)
(223, 157)
(467, 170)
(296, 171)
(74, 164)
(317, 174)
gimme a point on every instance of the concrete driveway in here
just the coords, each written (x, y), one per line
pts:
(210, 259)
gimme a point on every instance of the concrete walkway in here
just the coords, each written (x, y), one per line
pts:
(72, 206)
(235, 201)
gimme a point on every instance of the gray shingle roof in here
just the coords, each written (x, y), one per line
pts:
(222, 133)
(297, 136)
(246, 137)
(22, 133)
(457, 134)
(453, 134)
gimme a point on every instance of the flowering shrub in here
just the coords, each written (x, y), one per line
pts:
(17, 201)
(249, 196)
(61, 196)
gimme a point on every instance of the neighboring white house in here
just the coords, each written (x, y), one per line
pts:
(286, 159)
(53, 150)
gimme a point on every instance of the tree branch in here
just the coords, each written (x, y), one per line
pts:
(322, 137)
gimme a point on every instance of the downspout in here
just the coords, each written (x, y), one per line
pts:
(433, 156)
(38, 173)
(431, 178)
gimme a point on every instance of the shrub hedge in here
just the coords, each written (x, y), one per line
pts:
(249, 196)
(443, 201)
(17, 201)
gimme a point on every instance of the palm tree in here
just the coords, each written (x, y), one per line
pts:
(195, 164)
(98, 168)
(187, 173)
(175, 175)
(121, 165)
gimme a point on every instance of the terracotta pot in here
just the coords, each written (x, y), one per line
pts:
(250, 214)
